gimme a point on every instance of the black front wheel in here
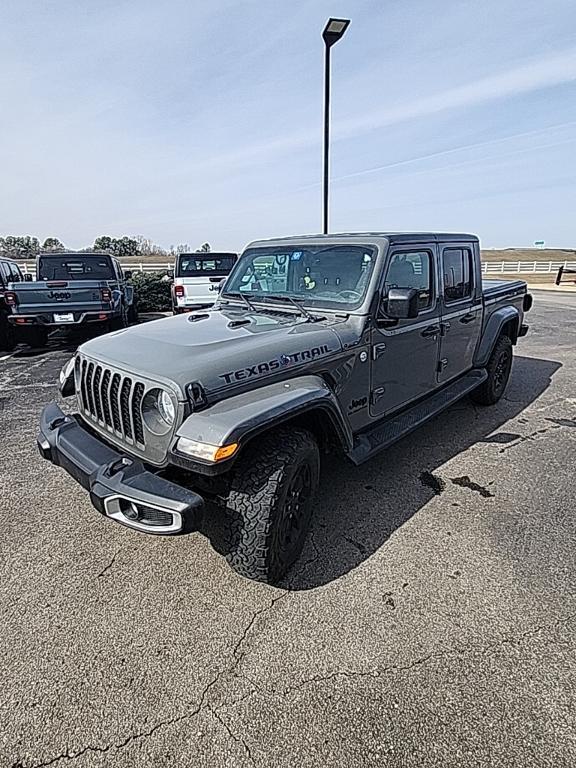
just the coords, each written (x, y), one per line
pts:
(270, 504)
(498, 369)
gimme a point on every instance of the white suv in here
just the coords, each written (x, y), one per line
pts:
(197, 277)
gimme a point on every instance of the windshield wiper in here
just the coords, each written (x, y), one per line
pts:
(243, 297)
(295, 303)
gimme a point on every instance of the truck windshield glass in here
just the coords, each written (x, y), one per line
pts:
(75, 268)
(209, 265)
(335, 276)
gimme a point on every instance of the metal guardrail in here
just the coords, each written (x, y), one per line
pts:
(488, 267)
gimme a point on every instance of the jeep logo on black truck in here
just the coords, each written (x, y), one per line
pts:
(298, 319)
(59, 295)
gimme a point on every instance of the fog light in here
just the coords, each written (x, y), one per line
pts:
(131, 512)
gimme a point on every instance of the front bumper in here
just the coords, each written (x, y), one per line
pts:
(120, 487)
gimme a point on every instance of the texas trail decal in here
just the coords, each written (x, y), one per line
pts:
(273, 365)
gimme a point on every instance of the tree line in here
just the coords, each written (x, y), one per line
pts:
(27, 247)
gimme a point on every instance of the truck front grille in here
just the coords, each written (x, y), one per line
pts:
(113, 400)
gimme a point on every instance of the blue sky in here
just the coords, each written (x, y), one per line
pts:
(187, 121)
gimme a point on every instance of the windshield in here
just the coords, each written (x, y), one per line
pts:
(75, 268)
(209, 265)
(335, 276)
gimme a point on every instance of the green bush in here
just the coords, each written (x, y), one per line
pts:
(153, 294)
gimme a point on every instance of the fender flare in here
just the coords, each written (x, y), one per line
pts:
(240, 418)
(492, 331)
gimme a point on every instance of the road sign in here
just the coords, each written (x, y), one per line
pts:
(539, 243)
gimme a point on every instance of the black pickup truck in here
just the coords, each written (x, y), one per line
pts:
(71, 290)
(10, 272)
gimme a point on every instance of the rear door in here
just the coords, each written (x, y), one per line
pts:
(4, 280)
(405, 354)
(461, 304)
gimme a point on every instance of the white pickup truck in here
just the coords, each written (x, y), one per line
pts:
(197, 278)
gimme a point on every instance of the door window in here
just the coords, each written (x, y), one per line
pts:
(15, 274)
(4, 274)
(411, 269)
(457, 268)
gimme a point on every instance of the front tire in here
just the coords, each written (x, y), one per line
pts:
(270, 504)
(498, 369)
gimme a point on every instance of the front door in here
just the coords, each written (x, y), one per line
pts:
(461, 309)
(405, 352)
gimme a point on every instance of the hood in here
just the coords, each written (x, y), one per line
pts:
(218, 349)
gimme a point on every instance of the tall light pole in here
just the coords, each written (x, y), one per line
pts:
(333, 31)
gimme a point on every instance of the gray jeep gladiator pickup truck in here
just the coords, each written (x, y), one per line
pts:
(316, 343)
(71, 290)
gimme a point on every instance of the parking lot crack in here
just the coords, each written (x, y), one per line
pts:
(532, 436)
(448, 653)
(255, 616)
(73, 755)
(233, 736)
(110, 564)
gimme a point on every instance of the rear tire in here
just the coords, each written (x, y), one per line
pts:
(498, 369)
(35, 337)
(270, 504)
(121, 321)
(133, 313)
(7, 336)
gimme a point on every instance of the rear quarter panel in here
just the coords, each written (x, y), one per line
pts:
(503, 304)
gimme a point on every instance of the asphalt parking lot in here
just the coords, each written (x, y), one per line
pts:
(430, 621)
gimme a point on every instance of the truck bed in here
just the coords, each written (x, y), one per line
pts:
(496, 289)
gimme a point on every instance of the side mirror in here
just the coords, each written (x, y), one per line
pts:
(128, 274)
(27, 277)
(401, 303)
(170, 274)
(221, 284)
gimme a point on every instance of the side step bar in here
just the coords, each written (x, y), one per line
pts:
(387, 432)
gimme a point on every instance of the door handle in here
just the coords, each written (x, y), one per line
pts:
(378, 350)
(431, 331)
(469, 318)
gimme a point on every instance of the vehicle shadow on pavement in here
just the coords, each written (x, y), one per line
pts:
(357, 509)
(70, 341)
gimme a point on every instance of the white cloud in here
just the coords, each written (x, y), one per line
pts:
(538, 74)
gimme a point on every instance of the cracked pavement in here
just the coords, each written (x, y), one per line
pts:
(429, 622)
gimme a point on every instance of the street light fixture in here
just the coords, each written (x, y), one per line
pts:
(333, 31)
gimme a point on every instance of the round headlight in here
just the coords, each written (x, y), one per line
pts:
(166, 407)
(158, 411)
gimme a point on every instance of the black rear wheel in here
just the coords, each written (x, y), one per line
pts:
(35, 336)
(7, 335)
(133, 313)
(121, 321)
(498, 369)
(270, 504)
